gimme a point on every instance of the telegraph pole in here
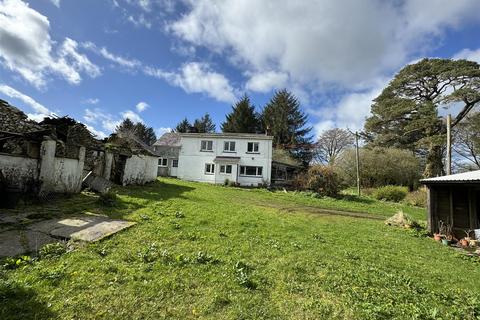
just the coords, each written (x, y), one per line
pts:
(449, 144)
(357, 156)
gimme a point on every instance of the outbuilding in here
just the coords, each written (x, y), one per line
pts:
(453, 200)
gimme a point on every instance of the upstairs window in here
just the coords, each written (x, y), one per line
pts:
(209, 168)
(251, 171)
(229, 146)
(162, 162)
(206, 145)
(252, 147)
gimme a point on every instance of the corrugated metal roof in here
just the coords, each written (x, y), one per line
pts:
(171, 139)
(465, 177)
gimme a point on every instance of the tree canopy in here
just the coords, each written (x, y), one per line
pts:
(466, 142)
(183, 126)
(285, 121)
(204, 124)
(140, 130)
(330, 144)
(242, 118)
(406, 114)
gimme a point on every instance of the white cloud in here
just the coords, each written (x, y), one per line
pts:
(41, 110)
(27, 48)
(345, 43)
(467, 54)
(266, 81)
(160, 131)
(140, 21)
(196, 77)
(98, 133)
(131, 115)
(108, 121)
(56, 3)
(92, 101)
(141, 106)
(124, 62)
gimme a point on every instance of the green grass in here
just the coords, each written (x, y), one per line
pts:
(244, 254)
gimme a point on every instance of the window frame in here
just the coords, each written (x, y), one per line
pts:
(206, 149)
(212, 168)
(161, 160)
(225, 167)
(174, 161)
(229, 150)
(257, 170)
(253, 143)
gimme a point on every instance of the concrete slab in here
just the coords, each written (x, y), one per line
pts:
(11, 243)
(87, 228)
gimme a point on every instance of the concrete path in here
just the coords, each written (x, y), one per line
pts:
(88, 228)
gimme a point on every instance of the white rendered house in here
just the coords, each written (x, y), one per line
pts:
(216, 157)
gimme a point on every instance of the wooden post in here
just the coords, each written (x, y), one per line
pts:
(357, 156)
(449, 144)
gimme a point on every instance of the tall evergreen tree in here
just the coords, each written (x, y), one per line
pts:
(139, 130)
(204, 124)
(405, 115)
(125, 125)
(183, 126)
(242, 118)
(283, 118)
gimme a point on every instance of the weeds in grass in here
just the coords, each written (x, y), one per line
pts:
(179, 215)
(243, 275)
(54, 275)
(14, 263)
(108, 199)
(149, 254)
(52, 250)
(175, 225)
(205, 258)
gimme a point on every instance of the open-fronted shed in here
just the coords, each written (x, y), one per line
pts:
(453, 200)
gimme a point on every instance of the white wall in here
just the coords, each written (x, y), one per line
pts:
(191, 162)
(140, 169)
(19, 170)
(67, 176)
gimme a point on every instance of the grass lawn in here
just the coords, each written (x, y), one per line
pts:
(202, 251)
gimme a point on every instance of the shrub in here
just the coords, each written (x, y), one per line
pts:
(417, 198)
(323, 180)
(108, 199)
(380, 167)
(390, 193)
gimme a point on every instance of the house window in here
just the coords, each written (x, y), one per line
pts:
(209, 168)
(251, 171)
(252, 147)
(207, 145)
(175, 163)
(229, 146)
(162, 162)
(226, 169)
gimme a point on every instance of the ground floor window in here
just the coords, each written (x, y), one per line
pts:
(209, 168)
(175, 163)
(162, 162)
(251, 171)
(226, 168)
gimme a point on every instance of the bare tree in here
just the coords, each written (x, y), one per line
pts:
(331, 144)
(467, 142)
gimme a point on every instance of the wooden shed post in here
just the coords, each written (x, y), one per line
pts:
(430, 209)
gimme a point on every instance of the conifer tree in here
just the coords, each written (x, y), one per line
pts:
(242, 118)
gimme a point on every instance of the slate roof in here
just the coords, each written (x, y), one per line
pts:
(465, 177)
(169, 139)
(214, 135)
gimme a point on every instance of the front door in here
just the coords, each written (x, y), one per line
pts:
(173, 167)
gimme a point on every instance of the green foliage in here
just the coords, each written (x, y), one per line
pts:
(183, 126)
(108, 199)
(204, 124)
(14, 263)
(139, 130)
(417, 198)
(390, 193)
(242, 118)
(380, 167)
(405, 115)
(283, 118)
(243, 275)
(52, 250)
(323, 180)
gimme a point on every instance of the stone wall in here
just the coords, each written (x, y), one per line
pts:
(19, 172)
(14, 120)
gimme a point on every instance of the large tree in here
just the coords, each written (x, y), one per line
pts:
(467, 142)
(204, 124)
(183, 126)
(242, 118)
(287, 123)
(330, 144)
(406, 114)
(139, 130)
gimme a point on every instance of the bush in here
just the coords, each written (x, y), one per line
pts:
(108, 199)
(380, 167)
(417, 198)
(52, 250)
(391, 193)
(323, 180)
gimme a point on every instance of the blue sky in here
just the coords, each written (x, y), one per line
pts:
(158, 61)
